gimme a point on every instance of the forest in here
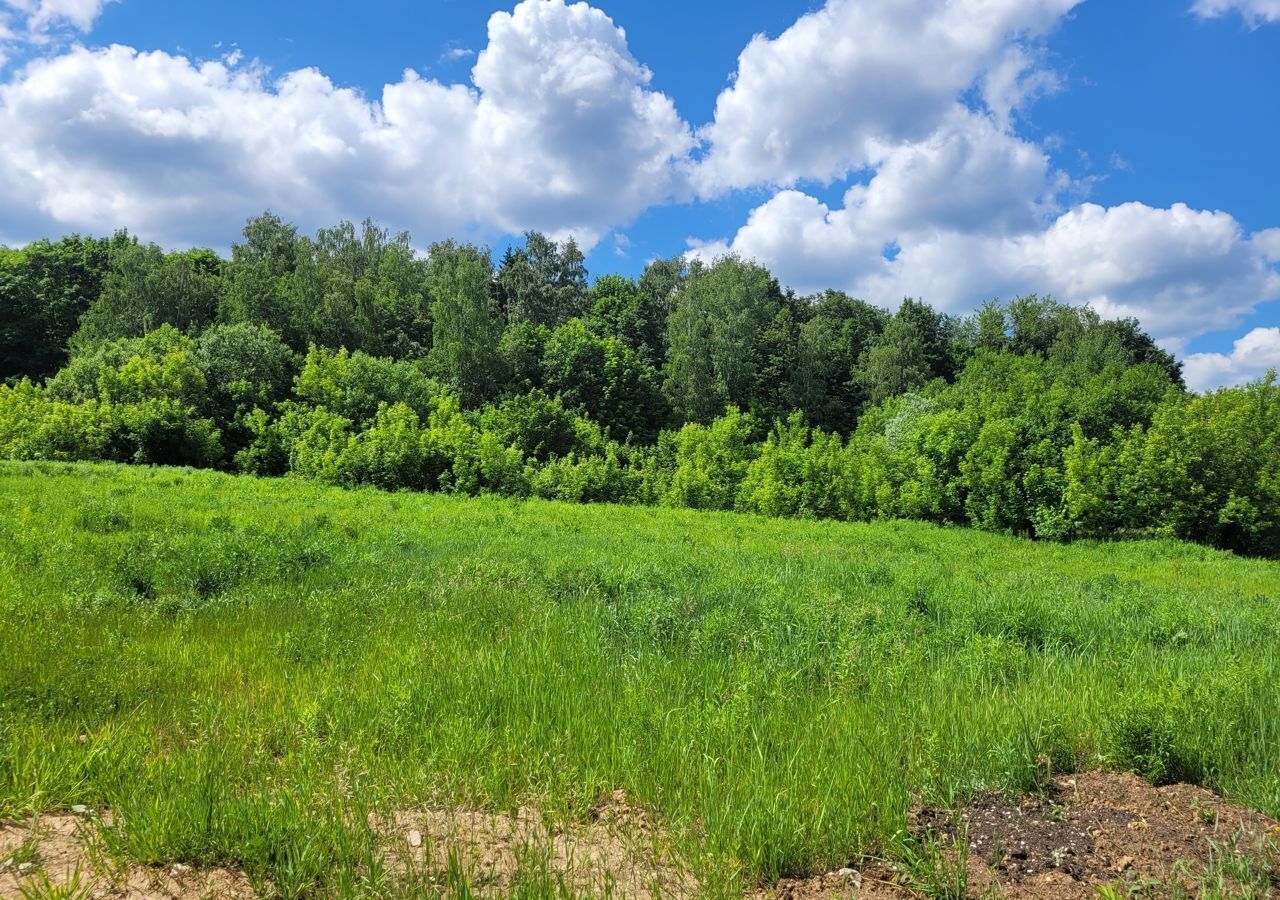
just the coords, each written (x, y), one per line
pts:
(351, 359)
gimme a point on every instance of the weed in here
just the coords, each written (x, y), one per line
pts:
(258, 666)
(26, 853)
(933, 866)
(41, 887)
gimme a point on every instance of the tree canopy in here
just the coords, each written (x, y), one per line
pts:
(351, 358)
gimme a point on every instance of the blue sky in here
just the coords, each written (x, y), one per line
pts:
(1117, 154)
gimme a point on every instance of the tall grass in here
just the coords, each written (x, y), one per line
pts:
(245, 671)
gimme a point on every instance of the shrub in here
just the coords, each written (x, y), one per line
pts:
(1141, 735)
(537, 425)
(711, 461)
(35, 426)
(588, 479)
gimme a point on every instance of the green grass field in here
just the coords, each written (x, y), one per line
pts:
(244, 670)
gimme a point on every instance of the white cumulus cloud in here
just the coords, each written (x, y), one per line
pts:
(1251, 357)
(40, 15)
(33, 22)
(915, 99)
(810, 103)
(1179, 271)
(559, 131)
(1255, 12)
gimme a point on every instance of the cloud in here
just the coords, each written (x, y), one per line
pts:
(41, 15)
(454, 53)
(917, 99)
(1181, 272)
(559, 131)
(35, 22)
(810, 103)
(1254, 12)
(967, 178)
(1251, 357)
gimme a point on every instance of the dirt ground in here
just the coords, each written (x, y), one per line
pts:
(1088, 831)
(619, 851)
(61, 851)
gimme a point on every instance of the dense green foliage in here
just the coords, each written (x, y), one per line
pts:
(350, 359)
(243, 670)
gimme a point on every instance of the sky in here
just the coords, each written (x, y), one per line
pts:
(1116, 154)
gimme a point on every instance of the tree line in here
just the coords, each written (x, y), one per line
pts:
(348, 358)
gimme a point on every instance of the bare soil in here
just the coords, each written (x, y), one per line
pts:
(1086, 832)
(62, 850)
(620, 851)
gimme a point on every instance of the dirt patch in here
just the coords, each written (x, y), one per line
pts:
(1104, 828)
(619, 851)
(62, 851)
(1087, 832)
(871, 883)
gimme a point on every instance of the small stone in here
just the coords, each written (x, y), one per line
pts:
(179, 869)
(415, 838)
(849, 877)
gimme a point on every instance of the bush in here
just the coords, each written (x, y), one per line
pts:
(710, 462)
(588, 479)
(35, 426)
(355, 385)
(1141, 736)
(320, 445)
(163, 432)
(394, 452)
(246, 367)
(800, 472)
(537, 425)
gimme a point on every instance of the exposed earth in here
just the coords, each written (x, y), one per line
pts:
(1089, 834)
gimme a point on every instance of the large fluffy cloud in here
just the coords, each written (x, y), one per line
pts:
(559, 132)
(1255, 12)
(952, 205)
(1251, 357)
(812, 103)
(968, 214)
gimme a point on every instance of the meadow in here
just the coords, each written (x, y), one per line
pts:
(250, 672)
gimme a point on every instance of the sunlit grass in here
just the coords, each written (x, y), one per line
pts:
(245, 670)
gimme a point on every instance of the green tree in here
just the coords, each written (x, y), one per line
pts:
(896, 363)
(256, 287)
(44, 290)
(605, 379)
(619, 308)
(146, 288)
(717, 337)
(829, 345)
(465, 332)
(542, 282)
